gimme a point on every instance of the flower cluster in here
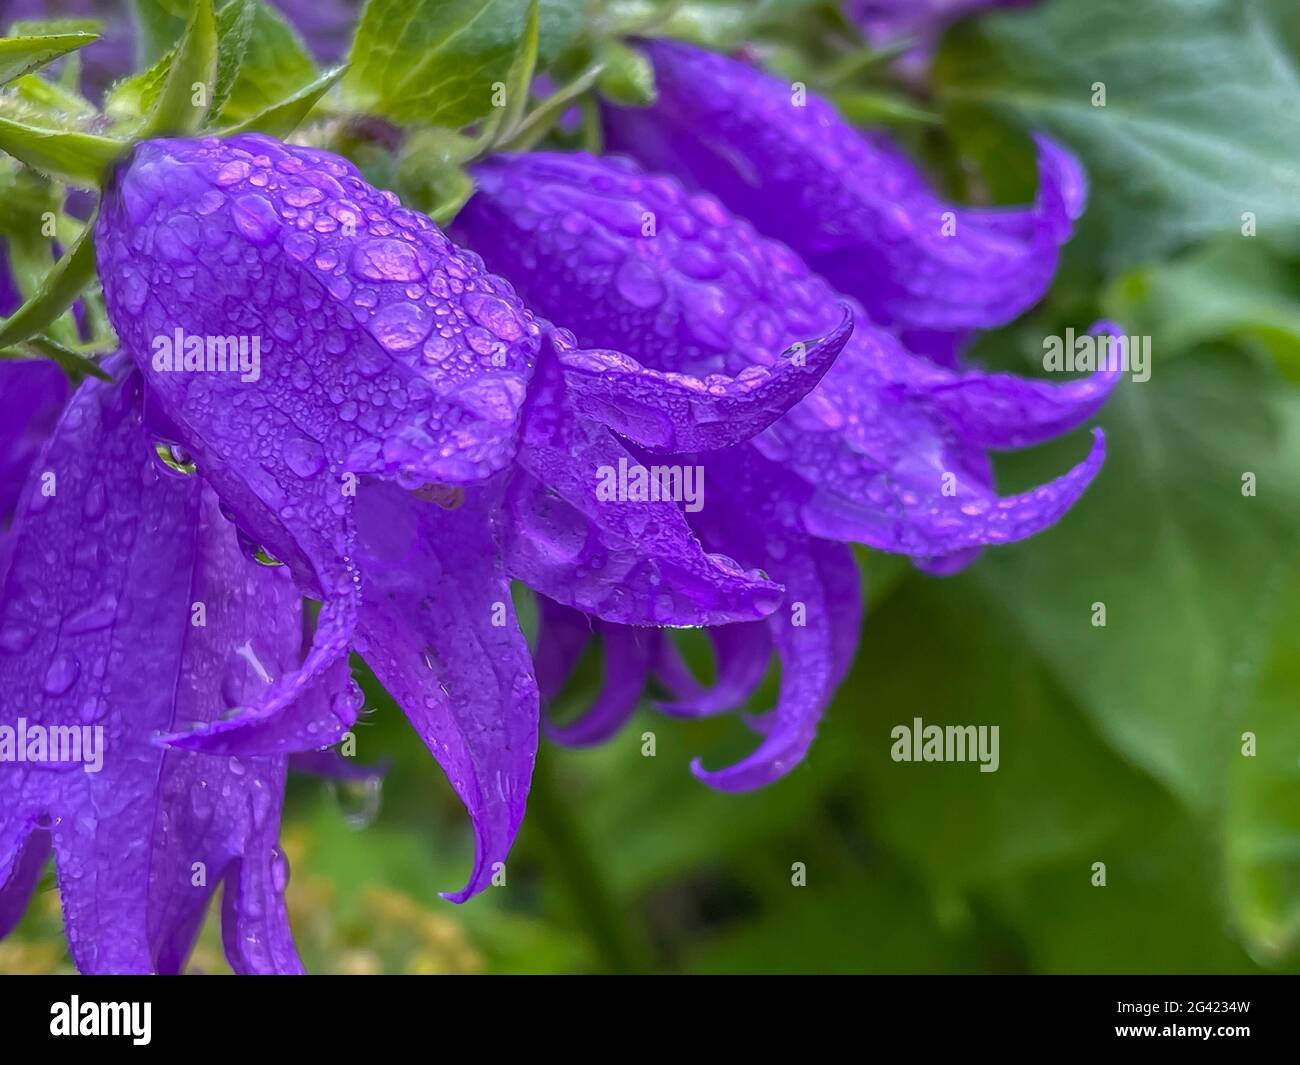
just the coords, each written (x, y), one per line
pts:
(321, 395)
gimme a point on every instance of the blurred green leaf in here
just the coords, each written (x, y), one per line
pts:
(22, 55)
(628, 77)
(1233, 288)
(923, 658)
(1201, 119)
(1160, 910)
(160, 24)
(1261, 824)
(1181, 559)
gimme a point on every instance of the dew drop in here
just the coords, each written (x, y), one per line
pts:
(358, 800)
(61, 674)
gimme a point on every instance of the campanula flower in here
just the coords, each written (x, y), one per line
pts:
(128, 605)
(857, 211)
(890, 449)
(323, 396)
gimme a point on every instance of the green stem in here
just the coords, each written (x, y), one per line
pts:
(568, 856)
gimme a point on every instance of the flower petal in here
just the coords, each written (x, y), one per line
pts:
(31, 396)
(629, 654)
(101, 634)
(221, 814)
(632, 562)
(880, 445)
(382, 349)
(664, 411)
(21, 865)
(860, 214)
(743, 654)
(563, 634)
(439, 630)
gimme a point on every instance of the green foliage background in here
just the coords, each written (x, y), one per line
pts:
(1119, 744)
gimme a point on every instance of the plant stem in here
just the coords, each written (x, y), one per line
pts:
(567, 853)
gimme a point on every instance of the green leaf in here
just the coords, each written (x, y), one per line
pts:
(431, 172)
(519, 79)
(1234, 288)
(433, 61)
(1262, 810)
(78, 158)
(1201, 115)
(52, 97)
(276, 66)
(22, 55)
(74, 364)
(872, 108)
(60, 289)
(279, 120)
(235, 23)
(161, 24)
(244, 34)
(1181, 558)
(922, 657)
(628, 77)
(191, 70)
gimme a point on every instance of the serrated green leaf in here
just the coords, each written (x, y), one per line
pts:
(281, 119)
(22, 55)
(191, 76)
(57, 293)
(433, 61)
(69, 155)
(276, 66)
(237, 27)
(1201, 116)
(235, 23)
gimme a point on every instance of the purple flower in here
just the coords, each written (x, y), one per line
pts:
(128, 606)
(889, 450)
(859, 213)
(321, 378)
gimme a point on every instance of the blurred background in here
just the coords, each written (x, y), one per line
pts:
(1120, 744)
